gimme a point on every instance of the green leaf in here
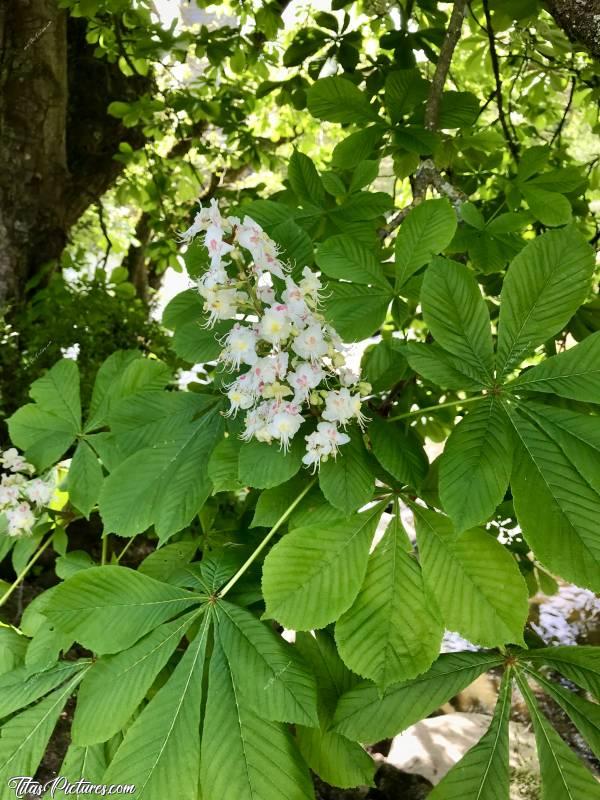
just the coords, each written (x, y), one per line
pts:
(335, 759)
(84, 479)
(265, 667)
(384, 364)
(544, 285)
(82, 761)
(476, 464)
(343, 257)
(24, 738)
(428, 229)
(435, 365)
(314, 573)
(398, 452)
(392, 631)
(555, 503)
(579, 664)
(347, 481)
(362, 206)
(483, 772)
(356, 311)
(475, 580)
(404, 89)
(244, 755)
(119, 378)
(563, 774)
(21, 687)
(338, 100)
(273, 503)
(163, 563)
(550, 208)
(357, 147)
(304, 180)
(455, 313)
(42, 436)
(185, 307)
(115, 686)
(584, 714)
(458, 110)
(264, 465)
(197, 344)
(223, 465)
(57, 392)
(160, 753)
(164, 485)
(366, 714)
(574, 374)
(109, 608)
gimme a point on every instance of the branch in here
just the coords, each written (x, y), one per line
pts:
(512, 145)
(563, 119)
(432, 109)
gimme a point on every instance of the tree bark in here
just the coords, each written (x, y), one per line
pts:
(56, 140)
(580, 20)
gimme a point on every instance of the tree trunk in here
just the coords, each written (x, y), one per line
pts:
(580, 20)
(57, 141)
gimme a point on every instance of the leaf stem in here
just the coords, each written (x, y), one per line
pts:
(125, 549)
(266, 540)
(20, 577)
(104, 550)
(420, 411)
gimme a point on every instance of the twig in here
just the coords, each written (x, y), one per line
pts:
(512, 146)
(104, 230)
(432, 108)
(25, 570)
(563, 119)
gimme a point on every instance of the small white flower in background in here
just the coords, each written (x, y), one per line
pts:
(12, 460)
(289, 360)
(21, 496)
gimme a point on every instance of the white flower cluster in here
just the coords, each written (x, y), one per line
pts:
(21, 496)
(289, 360)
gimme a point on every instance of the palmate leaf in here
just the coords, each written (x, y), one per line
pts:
(337, 99)
(574, 374)
(343, 257)
(347, 481)
(335, 759)
(244, 755)
(392, 631)
(84, 479)
(563, 775)
(20, 687)
(436, 365)
(544, 285)
(427, 230)
(483, 772)
(304, 179)
(475, 580)
(476, 464)
(265, 667)
(584, 714)
(160, 754)
(109, 608)
(82, 762)
(115, 686)
(455, 313)
(398, 452)
(368, 715)
(356, 311)
(24, 738)
(314, 573)
(263, 465)
(555, 501)
(579, 664)
(165, 485)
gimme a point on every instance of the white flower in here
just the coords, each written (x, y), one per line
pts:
(212, 279)
(310, 284)
(240, 347)
(239, 398)
(13, 460)
(310, 343)
(275, 325)
(331, 437)
(20, 520)
(8, 495)
(285, 424)
(305, 377)
(39, 492)
(268, 370)
(342, 406)
(223, 304)
(347, 377)
(263, 249)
